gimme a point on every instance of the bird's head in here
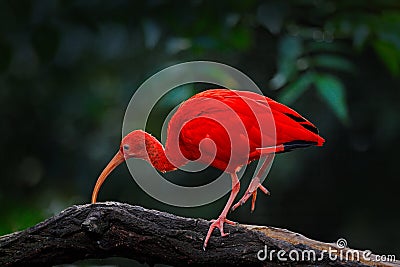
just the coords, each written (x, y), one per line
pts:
(132, 145)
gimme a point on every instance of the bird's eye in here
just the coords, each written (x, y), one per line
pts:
(126, 147)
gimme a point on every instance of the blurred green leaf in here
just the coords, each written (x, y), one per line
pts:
(333, 92)
(333, 61)
(291, 92)
(289, 49)
(389, 54)
(240, 38)
(271, 15)
(313, 47)
(278, 81)
(360, 36)
(20, 217)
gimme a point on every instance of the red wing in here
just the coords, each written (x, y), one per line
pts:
(231, 121)
(252, 121)
(292, 129)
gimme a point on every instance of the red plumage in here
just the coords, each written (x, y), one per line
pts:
(226, 129)
(209, 113)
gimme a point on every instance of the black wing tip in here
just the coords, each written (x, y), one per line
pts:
(310, 127)
(295, 117)
(303, 122)
(288, 146)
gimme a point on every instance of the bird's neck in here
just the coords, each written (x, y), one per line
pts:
(157, 155)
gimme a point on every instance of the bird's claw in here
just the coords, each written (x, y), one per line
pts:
(218, 223)
(251, 191)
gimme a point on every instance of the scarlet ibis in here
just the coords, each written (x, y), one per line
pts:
(221, 128)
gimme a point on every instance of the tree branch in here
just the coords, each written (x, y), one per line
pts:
(114, 229)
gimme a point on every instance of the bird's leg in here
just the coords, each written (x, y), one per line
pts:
(219, 223)
(251, 191)
(254, 185)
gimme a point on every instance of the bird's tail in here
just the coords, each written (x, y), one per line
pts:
(320, 141)
(289, 146)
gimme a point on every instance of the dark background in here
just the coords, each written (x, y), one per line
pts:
(69, 68)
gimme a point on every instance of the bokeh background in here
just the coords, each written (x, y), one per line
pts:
(69, 68)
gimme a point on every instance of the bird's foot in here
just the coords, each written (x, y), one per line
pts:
(218, 223)
(251, 191)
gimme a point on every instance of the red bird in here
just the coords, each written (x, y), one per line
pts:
(226, 129)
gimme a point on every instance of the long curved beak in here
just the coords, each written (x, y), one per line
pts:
(116, 160)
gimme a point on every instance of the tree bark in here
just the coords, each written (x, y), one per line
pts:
(114, 229)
